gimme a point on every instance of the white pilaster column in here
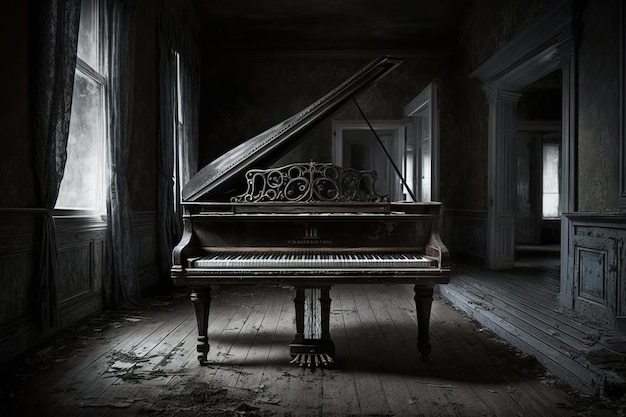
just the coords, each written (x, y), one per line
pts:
(565, 50)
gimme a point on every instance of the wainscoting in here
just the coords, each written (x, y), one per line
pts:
(596, 284)
(465, 232)
(81, 254)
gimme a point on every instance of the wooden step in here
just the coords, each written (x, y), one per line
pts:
(512, 318)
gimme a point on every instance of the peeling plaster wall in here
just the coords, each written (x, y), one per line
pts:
(144, 148)
(16, 173)
(598, 108)
(143, 156)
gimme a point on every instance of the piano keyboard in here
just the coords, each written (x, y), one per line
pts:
(271, 260)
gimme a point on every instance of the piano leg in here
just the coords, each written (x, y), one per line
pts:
(310, 348)
(423, 304)
(201, 299)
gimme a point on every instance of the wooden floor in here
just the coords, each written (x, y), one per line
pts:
(520, 305)
(143, 363)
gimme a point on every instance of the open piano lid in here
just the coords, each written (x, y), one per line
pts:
(218, 177)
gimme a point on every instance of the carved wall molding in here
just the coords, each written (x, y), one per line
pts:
(538, 41)
(495, 92)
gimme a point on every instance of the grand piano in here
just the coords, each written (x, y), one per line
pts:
(307, 225)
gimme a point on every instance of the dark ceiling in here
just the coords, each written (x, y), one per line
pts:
(329, 24)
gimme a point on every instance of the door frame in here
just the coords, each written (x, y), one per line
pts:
(546, 45)
(398, 126)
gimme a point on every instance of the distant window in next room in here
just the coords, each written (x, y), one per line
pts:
(550, 184)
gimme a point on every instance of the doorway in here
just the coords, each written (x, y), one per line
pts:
(538, 162)
(355, 146)
(544, 47)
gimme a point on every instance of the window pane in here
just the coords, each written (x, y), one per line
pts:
(82, 180)
(425, 126)
(551, 205)
(550, 180)
(88, 34)
(550, 168)
(179, 90)
(426, 170)
(409, 166)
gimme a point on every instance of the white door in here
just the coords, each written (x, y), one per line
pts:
(423, 137)
(355, 146)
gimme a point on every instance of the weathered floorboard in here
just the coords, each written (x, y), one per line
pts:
(378, 369)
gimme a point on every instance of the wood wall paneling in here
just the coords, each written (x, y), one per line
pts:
(596, 263)
(81, 250)
(465, 232)
(592, 279)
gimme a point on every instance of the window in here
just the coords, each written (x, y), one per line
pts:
(421, 157)
(83, 185)
(550, 184)
(424, 140)
(178, 134)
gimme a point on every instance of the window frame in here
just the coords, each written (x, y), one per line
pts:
(179, 126)
(425, 107)
(99, 76)
(551, 142)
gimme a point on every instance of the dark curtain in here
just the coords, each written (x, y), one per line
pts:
(121, 287)
(54, 41)
(175, 36)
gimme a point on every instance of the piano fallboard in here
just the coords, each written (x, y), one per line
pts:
(311, 230)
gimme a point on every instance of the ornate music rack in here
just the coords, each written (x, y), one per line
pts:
(310, 182)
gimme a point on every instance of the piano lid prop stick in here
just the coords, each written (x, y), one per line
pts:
(380, 142)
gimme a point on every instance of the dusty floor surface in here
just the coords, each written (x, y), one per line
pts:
(33, 384)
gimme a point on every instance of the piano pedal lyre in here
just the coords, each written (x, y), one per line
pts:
(312, 346)
(312, 360)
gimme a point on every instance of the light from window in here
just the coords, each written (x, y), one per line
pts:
(177, 120)
(551, 207)
(425, 156)
(88, 33)
(179, 90)
(79, 188)
(409, 167)
(83, 183)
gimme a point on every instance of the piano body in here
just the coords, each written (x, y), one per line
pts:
(307, 225)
